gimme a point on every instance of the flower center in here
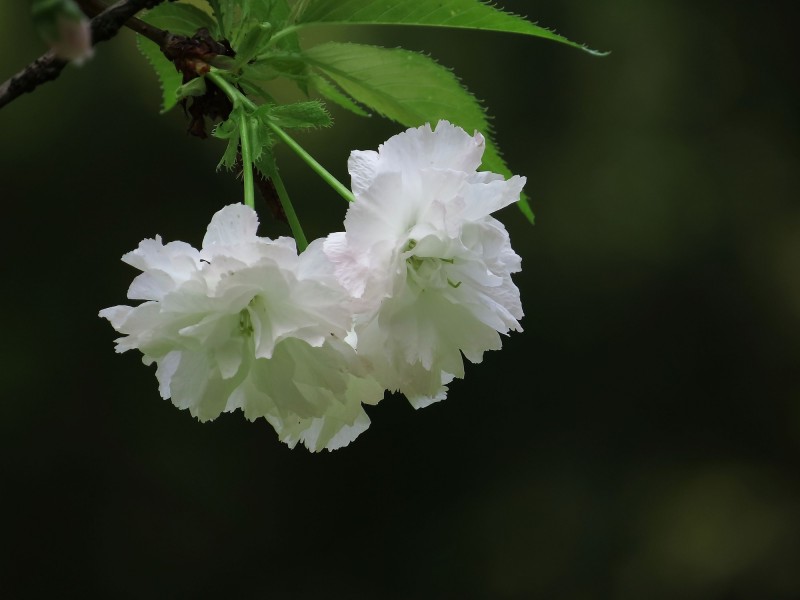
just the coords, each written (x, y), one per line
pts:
(428, 271)
(245, 324)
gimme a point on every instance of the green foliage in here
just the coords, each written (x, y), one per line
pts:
(251, 42)
(409, 88)
(256, 120)
(254, 89)
(179, 18)
(300, 115)
(229, 130)
(329, 91)
(237, 17)
(168, 77)
(217, 11)
(405, 86)
(463, 14)
(249, 26)
(278, 63)
(247, 118)
(258, 134)
(195, 87)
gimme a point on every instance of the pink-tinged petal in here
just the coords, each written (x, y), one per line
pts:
(351, 268)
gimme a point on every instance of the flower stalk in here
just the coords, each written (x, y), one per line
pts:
(247, 164)
(291, 215)
(337, 185)
(236, 97)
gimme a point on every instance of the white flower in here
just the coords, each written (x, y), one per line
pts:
(73, 41)
(431, 268)
(246, 323)
(64, 27)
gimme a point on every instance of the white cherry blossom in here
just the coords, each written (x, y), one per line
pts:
(428, 265)
(245, 322)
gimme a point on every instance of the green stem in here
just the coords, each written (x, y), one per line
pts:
(315, 166)
(282, 33)
(247, 163)
(231, 92)
(291, 216)
(236, 97)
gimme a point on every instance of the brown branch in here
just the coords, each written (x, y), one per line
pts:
(92, 8)
(48, 67)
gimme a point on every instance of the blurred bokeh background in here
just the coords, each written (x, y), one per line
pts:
(641, 438)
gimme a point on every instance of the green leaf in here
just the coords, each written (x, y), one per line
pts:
(168, 77)
(195, 87)
(183, 19)
(232, 15)
(266, 165)
(251, 42)
(254, 89)
(404, 86)
(462, 14)
(259, 136)
(331, 92)
(280, 15)
(218, 11)
(300, 115)
(229, 130)
(409, 88)
(277, 64)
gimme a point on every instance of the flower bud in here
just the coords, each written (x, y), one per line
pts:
(64, 28)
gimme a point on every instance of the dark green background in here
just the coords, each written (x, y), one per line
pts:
(641, 438)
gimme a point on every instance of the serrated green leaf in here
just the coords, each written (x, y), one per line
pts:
(409, 88)
(402, 85)
(254, 89)
(217, 10)
(168, 77)
(229, 130)
(462, 14)
(299, 115)
(266, 165)
(289, 42)
(195, 87)
(280, 15)
(232, 14)
(251, 42)
(258, 135)
(180, 18)
(277, 64)
(331, 92)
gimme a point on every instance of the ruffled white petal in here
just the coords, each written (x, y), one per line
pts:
(431, 267)
(244, 323)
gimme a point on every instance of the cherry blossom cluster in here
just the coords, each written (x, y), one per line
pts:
(420, 276)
